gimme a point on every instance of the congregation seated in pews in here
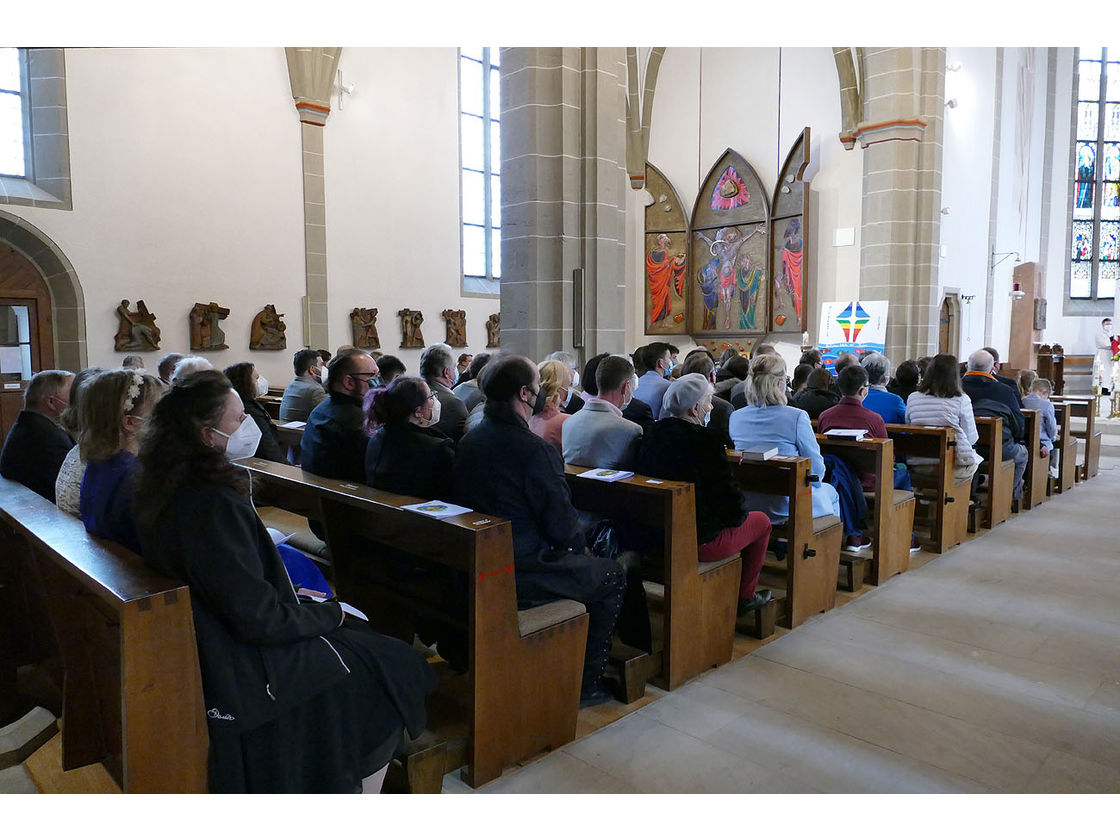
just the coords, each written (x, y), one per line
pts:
(550, 571)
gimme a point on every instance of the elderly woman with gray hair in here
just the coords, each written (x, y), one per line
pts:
(768, 422)
(890, 407)
(681, 447)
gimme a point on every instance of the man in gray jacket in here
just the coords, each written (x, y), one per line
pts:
(437, 366)
(305, 391)
(597, 435)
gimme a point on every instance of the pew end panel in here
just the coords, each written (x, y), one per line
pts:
(942, 499)
(995, 506)
(1067, 445)
(890, 513)
(812, 561)
(698, 603)
(1036, 478)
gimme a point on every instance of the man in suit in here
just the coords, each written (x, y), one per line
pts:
(37, 445)
(598, 435)
(991, 398)
(437, 366)
(657, 360)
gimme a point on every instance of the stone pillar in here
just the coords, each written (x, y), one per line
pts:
(901, 130)
(563, 124)
(312, 71)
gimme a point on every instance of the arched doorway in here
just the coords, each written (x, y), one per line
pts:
(949, 324)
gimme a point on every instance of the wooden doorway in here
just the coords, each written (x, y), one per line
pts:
(22, 285)
(949, 324)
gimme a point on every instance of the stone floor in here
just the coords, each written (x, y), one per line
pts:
(991, 668)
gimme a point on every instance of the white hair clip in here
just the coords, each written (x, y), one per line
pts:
(133, 392)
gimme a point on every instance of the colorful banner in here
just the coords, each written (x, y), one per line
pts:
(849, 326)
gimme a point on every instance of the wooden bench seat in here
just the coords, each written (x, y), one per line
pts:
(697, 601)
(995, 493)
(522, 688)
(133, 690)
(271, 403)
(942, 500)
(890, 515)
(808, 572)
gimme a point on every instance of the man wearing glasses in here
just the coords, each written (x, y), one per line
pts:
(334, 445)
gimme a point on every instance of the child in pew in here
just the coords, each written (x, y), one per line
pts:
(1039, 400)
(301, 697)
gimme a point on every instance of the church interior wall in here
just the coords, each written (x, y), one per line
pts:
(187, 186)
(756, 101)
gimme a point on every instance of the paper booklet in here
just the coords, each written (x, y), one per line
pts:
(278, 537)
(847, 434)
(606, 475)
(293, 424)
(758, 453)
(437, 509)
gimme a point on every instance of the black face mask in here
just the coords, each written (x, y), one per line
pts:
(539, 402)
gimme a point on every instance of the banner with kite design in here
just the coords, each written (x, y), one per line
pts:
(849, 326)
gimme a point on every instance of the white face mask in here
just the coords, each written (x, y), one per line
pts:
(707, 418)
(262, 386)
(323, 375)
(633, 388)
(243, 442)
(568, 394)
(437, 407)
(575, 380)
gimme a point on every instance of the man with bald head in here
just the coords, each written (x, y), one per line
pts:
(991, 398)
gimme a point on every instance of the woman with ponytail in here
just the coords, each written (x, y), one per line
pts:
(406, 454)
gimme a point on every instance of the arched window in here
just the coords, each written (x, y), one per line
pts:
(13, 112)
(1095, 250)
(480, 169)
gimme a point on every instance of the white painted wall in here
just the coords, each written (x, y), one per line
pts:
(187, 186)
(756, 101)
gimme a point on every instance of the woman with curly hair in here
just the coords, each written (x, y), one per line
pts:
(301, 696)
(114, 408)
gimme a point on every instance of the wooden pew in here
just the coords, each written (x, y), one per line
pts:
(944, 498)
(1036, 478)
(812, 562)
(525, 667)
(133, 691)
(995, 506)
(1067, 445)
(290, 438)
(1086, 408)
(271, 403)
(699, 603)
(890, 513)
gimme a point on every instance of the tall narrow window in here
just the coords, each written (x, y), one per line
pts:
(1094, 250)
(480, 169)
(13, 156)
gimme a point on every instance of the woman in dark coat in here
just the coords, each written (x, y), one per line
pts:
(248, 385)
(682, 447)
(405, 454)
(301, 697)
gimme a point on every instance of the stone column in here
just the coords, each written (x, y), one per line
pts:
(563, 186)
(901, 130)
(312, 72)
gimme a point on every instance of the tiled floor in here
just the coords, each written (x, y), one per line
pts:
(993, 667)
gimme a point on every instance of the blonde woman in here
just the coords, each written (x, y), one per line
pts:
(114, 409)
(548, 415)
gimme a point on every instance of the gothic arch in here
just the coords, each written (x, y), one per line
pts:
(68, 304)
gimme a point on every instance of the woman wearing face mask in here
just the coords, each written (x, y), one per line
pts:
(555, 394)
(300, 696)
(681, 447)
(114, 408)
(405, 454)
(250, 385)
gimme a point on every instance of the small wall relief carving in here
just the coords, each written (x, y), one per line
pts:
(411, 319)
(205, 332)
(268, 330)
(135, 330)
(494, 330)
(456, 327)
(363, 327)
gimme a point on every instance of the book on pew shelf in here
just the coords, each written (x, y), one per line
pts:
(437, 509)
(606, 475)
(292, 424)
(846, 434)
(758, 453)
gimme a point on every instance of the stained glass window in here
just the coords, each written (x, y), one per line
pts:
(1094, 250)
(480, 179)
(13, 108)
